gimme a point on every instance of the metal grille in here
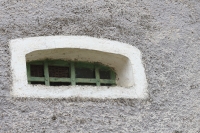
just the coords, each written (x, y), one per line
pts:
(63, 73)
(37, 70)
(58, 71)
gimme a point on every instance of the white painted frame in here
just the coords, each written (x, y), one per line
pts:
(124, 58)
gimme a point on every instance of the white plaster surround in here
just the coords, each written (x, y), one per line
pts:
(124, 58)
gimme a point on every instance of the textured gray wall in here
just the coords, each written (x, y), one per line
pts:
(168, 34)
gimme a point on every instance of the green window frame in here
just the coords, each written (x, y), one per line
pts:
(99, 79)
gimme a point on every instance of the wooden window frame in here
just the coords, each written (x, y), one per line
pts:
(72, 79)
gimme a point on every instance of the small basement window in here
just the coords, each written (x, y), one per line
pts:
(65, 73)
(76, 66)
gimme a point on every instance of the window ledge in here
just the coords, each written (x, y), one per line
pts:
(124, 58)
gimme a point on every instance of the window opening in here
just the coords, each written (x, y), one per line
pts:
(64, 73)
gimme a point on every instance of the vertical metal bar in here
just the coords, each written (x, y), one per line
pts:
(28, 72)
(97, 75)
(72, 68)
(113, 76)
(46, 73)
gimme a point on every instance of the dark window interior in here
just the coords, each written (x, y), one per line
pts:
(37, 82)
(104, 74)
(92, 84)
(37, 70)
(59, 84)
(59, 71)
(85, 73)
(106, 84)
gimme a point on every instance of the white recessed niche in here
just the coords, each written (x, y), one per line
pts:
(123, 58)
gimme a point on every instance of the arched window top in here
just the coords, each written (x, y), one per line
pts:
(124, 59)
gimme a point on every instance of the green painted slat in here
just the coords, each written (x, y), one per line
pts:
(58, 63)
(73, 81)
(36, 79)
(36, 62)
(83, 80)
(59, 79)
(55, 64)
(103, 67)
(113, 75)
(28, 72)
(46, 73)
(107, 81)
(97, 76)
(84, 65)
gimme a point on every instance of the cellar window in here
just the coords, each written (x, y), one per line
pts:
(76, 66)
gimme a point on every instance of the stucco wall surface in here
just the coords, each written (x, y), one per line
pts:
(167, 33)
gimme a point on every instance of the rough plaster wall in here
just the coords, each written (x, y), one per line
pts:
(167, 32)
